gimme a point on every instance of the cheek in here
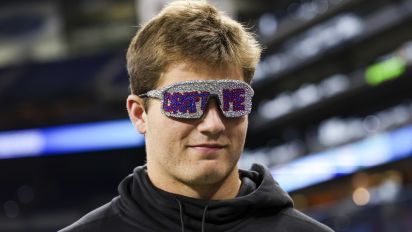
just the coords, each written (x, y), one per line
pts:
(238, 128)
(166, 132)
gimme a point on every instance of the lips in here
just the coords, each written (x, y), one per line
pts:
(208, 148)
(209, 145)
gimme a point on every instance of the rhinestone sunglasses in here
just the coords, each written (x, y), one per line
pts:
(189, 99)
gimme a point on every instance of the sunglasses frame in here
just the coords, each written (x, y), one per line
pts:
(213, 88)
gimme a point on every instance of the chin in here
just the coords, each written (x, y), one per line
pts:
(207, 179)
(209, 173)
(210, 167)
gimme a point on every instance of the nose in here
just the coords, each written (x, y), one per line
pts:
(212, 121)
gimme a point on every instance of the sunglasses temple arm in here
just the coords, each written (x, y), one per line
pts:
(152, 94)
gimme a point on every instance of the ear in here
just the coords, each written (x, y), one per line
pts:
(137, 113)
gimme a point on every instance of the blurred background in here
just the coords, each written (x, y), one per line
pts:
(332, 116)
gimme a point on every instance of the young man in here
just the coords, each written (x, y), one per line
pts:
(190, 69)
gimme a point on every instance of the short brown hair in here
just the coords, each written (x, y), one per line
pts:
(188, 31)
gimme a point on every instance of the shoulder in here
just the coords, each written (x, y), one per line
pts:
(301, 222)
(94, 220)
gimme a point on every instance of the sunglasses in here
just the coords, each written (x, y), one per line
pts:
(189, 99)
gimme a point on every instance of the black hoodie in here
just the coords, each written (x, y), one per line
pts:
(261, 205)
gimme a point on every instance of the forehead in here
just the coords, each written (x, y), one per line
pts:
(193, 71)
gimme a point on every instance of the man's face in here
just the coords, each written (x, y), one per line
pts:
(194, 151)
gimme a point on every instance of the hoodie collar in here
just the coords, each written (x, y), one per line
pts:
(140, 198)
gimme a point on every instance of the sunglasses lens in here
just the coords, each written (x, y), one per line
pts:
(236, 99)
(184, 104)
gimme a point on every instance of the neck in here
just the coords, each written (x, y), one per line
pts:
(228, 188)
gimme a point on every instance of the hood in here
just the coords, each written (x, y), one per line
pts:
(142, 204)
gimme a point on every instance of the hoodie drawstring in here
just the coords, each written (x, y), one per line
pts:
(182, 224)
(204, 218)
(181, 216)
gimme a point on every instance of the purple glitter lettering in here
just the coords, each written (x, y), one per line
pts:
(167, 102)
(177, 99)
(187, 103)
(205, 97)
(236, 96)
(239, 99)
(190, 101)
